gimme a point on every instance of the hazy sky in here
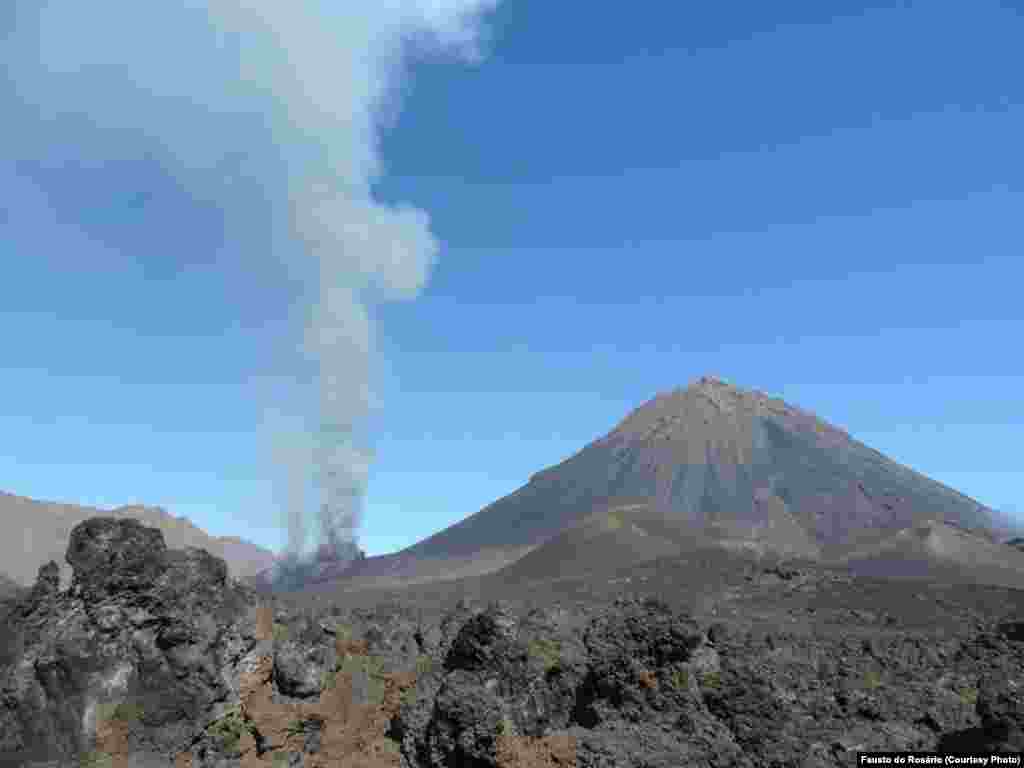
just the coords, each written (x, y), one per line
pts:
(556, 210)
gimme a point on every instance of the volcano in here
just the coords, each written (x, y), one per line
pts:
(715, 465)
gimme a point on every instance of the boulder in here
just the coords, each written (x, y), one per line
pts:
(132, 657)
(1001, 708)
(109, 554)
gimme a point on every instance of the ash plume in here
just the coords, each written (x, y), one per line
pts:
(361, 250)
(292, 98)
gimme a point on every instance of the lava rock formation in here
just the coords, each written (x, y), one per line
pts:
(153, 657)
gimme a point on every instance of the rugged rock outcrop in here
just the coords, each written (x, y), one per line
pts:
(635, 684)
(141, 629)
(154, 657)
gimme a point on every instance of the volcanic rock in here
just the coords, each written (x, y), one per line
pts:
(156, 657)
(141, 628)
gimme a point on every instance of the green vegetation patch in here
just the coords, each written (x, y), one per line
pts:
(547, 650)
(711, 681)
(329, 679)
(372, 668)
(506, 727)
(968, 695)
(96, 759)
(124, 711)
(229, 729)
(128, 712)
(280, 632)
(872, 679)
(424, 665)
(613, 521)
(344, 633)
(679, 679)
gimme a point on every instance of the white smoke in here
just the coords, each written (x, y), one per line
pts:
(314, 81)
(362, 248)
(338, 75)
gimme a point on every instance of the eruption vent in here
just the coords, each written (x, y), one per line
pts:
(362, 251)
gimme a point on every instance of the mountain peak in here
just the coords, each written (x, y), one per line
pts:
(723, 458)
(677, 413)
(721, 392)
(712, 383)
(714, 387)
(714, 464)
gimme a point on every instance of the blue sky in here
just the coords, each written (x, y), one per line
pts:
(822, 201)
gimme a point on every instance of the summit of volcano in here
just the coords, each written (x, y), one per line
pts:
(715, 465)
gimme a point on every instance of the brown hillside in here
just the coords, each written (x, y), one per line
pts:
(37, 531)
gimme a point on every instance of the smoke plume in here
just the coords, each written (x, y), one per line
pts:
(292, 96)
(339, 77)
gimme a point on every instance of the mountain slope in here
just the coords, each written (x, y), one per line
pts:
(37, 531)
(606, 539)
(723, 458)
(716, 464)
(940, 552)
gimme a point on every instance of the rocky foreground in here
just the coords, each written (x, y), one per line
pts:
(154, 657)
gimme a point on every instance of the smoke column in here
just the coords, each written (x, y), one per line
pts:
(340, 79)
(290, 97)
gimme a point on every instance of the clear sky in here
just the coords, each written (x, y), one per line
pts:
(820, 200)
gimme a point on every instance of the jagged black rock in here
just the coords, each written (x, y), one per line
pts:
(161, 640)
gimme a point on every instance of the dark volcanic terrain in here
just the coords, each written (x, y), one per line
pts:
(154, 657)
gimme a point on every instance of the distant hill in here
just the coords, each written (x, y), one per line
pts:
(608, 539)
(37, 531)
(712, 464)
(941, 552)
